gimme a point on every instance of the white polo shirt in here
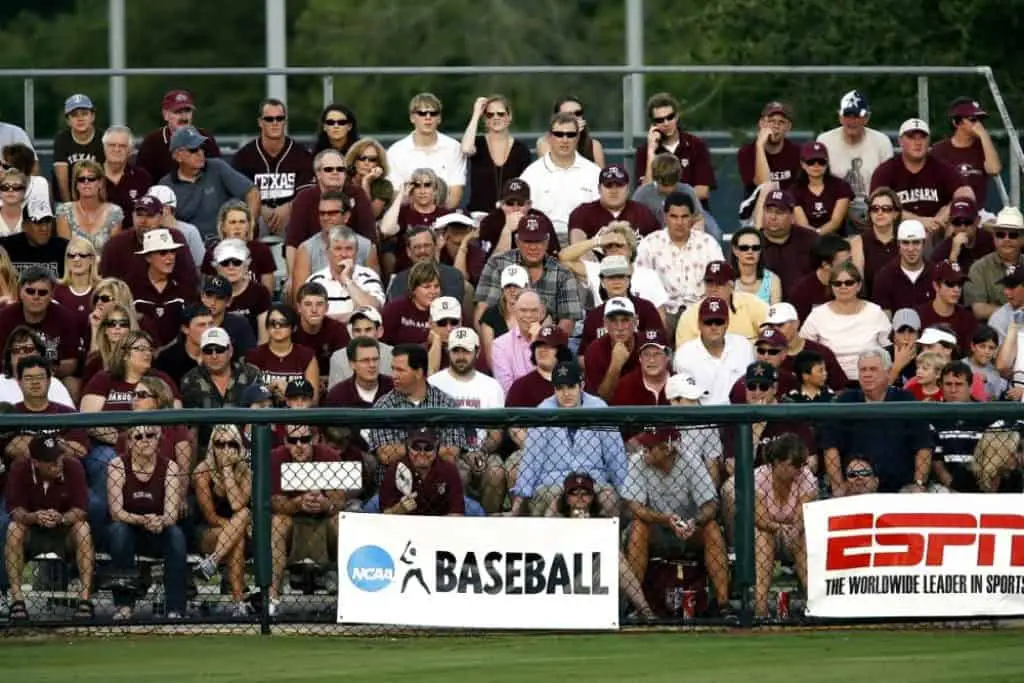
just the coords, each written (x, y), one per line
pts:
(715, 375)
(339, 300)
(556, 191)
(644, 283)
(444, 158)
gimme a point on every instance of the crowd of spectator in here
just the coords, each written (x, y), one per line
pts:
(480, 273)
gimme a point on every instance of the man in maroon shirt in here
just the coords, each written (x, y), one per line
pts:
(905, 282)
(769, 347)
(125, 181)
(787, 247)
(549, 348)
(666, 136)
(420, 483)
(323, 334)
(47, 498)
(157, 294)
(498, 228)
(772, 157)
(970, 150)
(613, 204)
(614, 354)
(154, 155)
(948, 282)
(366, 384)
(460, 247)
(814, 289)
(57, 327)
(968, 243)
(924, 185)
(121, 258)
(783, 317)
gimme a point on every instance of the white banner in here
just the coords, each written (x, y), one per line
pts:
(478, 572)
(915, 555)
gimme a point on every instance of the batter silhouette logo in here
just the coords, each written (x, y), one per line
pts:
(413, 570)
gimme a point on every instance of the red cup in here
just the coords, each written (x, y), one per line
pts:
(689, 604)
(782, 605)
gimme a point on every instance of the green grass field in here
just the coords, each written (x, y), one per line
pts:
(877, 656)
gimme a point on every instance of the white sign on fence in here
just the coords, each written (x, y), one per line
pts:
(915, 555)
(478, 572)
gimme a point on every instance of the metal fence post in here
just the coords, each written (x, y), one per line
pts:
(327, 88)
(29, 89)
(261, 529)
(922, 98)
(745, 574)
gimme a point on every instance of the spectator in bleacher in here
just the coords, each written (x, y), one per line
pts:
(498, 228)
(238, 296)
(34, 374)
(645, 384)
(317, 330)
(111, 389)
(941, 339)
(847, 325)
(120, 257)
(234, 222)
(589, 147)
(550, 454)
(970, 150)
(223, 486)
(679, 255)
(36, 245)
(494, 156)
(47, 499)
(349, 285)
(747, 312)
(925, 385)
(423, 481)
(425, 147)
(615, 353)
(169, 203)
(23, 158)
(555, 283)
(276, 164)
(967, 241)
(813, 289)
(876, 245)
(906, 281)
(502, 316)
(772, 157)
(81, 274)
(459, 246)
(125, 181)
(57, 327)
(987, 284)
(145, 493)
(420, 203)
(408, 319)
(781, 488)
(367, 164)
(511, 354)
(111, 323)
(704, 441)
(23, 342)
(549, 348)
(613, 203)
(783, 317)
(899, 451)
(944, 308)
(981, 361)
(667, 173)
(281, 359)
(445, 316)
(314, 253)
(562, 178)
(822, 200)
(88, 214)
(339, 129)
(13, 187)
(616, 276)
(715, 358)
(216, 294)
(365, 322)
(925, 186)
(666, 136)
(860, 477)
(769, 347)
(423, 246)
(155, 155)
(787, 247)
(751, 275)
(811, 375)
(78, 142)
(152, 393)
(158, 294)
(855, 150)
(367, 379)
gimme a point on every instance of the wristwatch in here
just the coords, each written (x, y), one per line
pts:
(919, 482)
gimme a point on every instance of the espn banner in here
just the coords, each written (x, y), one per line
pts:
(478, 572)
(915, 555)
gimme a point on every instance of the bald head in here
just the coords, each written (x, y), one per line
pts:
(528, 309)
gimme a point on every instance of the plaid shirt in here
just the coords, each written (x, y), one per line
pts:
(557, 286)
(199, 391)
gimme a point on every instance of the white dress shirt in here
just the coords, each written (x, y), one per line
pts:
(715, 375)
(556, 191)
(444, 158)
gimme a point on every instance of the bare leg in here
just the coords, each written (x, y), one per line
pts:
(14, 557)
(281, 526)
(764, 559)
(632, 589)
(716, 561)
(231, 534)
(638, 548)
(85, 556)
(492, 487)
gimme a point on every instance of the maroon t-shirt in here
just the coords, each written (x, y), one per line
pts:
(144, 497)
(923, 193)
(134, 183)
(807, 293)
(786, 383)
(693, 156)
(969, 162)
(277, 178)
(277, 369)
(819, 207)
(261, 260)
(77, 303)
(783, 165)
(593, 323)
(599, 356)
(59, 330)
(408, 218)
(305, 218)
(962, 321)
(792, 259)
(438, 493)
(331, 336)
(119, 393)
(345, 395)
(476, 259)
(837, 379)
(592, 216)
(893, 290)
(493, 224)
(528, 391)
(251, 303)
(155, 155)
(120, 260)
(632, 392)
(27, 490)
(164, 307)
(79, 436)
(983, 246)
(281, 455)
(404, 323)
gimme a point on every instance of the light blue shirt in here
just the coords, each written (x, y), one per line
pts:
(550, 454)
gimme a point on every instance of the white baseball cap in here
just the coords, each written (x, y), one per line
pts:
(445, 308)
(158, 240)
(911, 230)
(514, 275)
(683, 385)
(368, 312)
(619, 304)
(216, 336)
(934, 335)
(911, 125)
(454, 218)
(165, 194)
(229, 249)
(615, 265)
(463, 338)
(780, 314)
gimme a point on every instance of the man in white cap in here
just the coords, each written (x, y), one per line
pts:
(924, 185)
(480, 465)
(158, 295)
(783, 317)
(445, 316)
(683, 389)
(615, 353)
(984, 291)
(169, 203)
(461, 249)
(78, 142)
(854, 150)
(365, 322)
(906, 281)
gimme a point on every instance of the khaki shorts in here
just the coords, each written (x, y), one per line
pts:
(312, 539)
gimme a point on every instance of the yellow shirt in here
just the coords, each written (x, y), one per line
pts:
(745, 319)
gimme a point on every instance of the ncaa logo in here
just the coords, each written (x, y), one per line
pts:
(370, 568)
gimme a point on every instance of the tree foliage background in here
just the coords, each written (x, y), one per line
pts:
(72, 33)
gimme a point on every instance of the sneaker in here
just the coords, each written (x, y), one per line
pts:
(240, 609)
(275, 606)
(174, 616)
(207, 568)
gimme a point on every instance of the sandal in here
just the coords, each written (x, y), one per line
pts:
(123, 614)
(18, 613)
(86, 611)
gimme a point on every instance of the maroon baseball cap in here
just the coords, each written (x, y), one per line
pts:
(423, 435)
(178, 99)
(964, 209)
(964, 108)
(771, 337)
(148, 205)
(776, 107)
(534, 227)
(551, 335)
(615, 174)
(813, 150)
(515, 188)
(780, 199)
(658, 436)
(949, 271)
(713, 308)
(578, 480)
(654, 337)
(719, 273)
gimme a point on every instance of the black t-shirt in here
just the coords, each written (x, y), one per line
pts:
(67, 150)
(24, 254)
(174, 361)
(493, 317)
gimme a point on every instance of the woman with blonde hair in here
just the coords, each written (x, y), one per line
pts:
(494, 157)
(13, 186)
(89, 214)
(235, 222)
(8, 279)
(115, 323)
(421, 201)
(367, 164)
(223, 488)
(81, 275)
(233, 260)
(111, 390)
(176, 442)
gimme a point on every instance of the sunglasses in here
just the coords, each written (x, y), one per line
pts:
(421, 447)
(953, 284)
(274, 119)
(877, 208)
(859, 474)
(564, 134)
(277, 323)
(962, 222)
(845, 283)
(74, 255)
(331, 212)
(214, 349)
(366, 157)
(422, 184)
(1004, 234)
(747, 247)
(448, 322)
(33, 291)
(104, 298)
(23, 349)
(233, 445)
(332, 169)
(335, 122)
(768, 351)
(759, 386)
(6, 187)
(578, 113)
(82, 179)
(496, 114)
(514, 202)
(816, 162)
(142, 395)
(144, 436)
(231, 262)
(296, 440)
(117, 322)
(715, 322)
(427, 113)
(142, 349)
(664, 119)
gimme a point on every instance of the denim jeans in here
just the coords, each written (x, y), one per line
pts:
(5, 519)
(96, 462)
(126, 540)
(473, 508)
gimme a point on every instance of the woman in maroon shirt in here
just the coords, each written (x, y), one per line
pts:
(233, 262)
(235, 222)
(367, 164)
(113, 326)
(821, 199)
(877, 245)
(421, 202)
(339, 129)
(407, 320)
(176, 442)
(280, 360)
(81, 275)
(113, 389)
(145, 493)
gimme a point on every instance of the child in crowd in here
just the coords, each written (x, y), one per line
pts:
(925, 385)
(984, 345)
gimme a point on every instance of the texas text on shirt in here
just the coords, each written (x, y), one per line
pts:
(557, 191)
(276, 178)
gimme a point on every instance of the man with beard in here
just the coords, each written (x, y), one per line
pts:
(178, 109)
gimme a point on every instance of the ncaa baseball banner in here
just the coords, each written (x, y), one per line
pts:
(478, 572)
(915, 555)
